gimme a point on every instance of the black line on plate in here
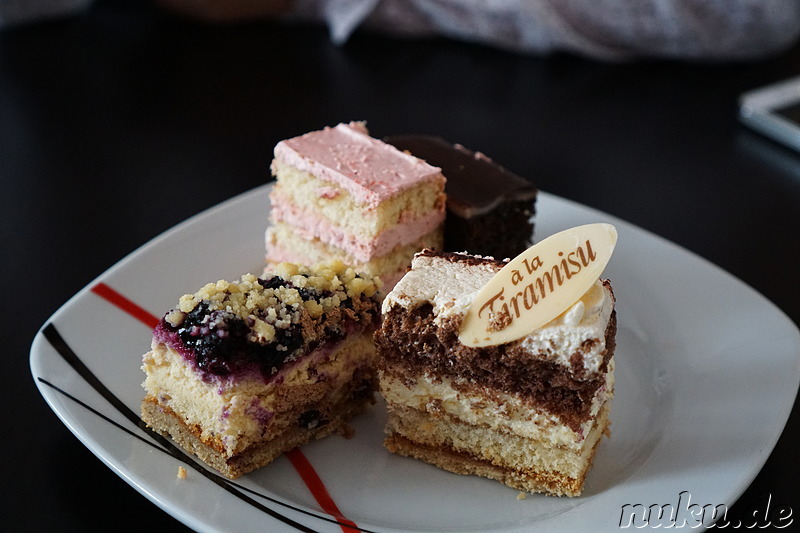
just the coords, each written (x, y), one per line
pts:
(331, 520)
(57, 341)
(97, 413)
(60, 345)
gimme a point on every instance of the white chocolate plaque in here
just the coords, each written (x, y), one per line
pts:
(538, 285)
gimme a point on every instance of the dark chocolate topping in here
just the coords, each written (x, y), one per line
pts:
(475, 183)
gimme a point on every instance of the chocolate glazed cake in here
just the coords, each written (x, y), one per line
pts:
(528, 413)
(242, 371)
(489, 208)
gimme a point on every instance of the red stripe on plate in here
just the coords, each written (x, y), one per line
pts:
(317, 488)
(112, 296)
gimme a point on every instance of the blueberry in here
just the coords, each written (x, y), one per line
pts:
(311, 420)
(275, 282)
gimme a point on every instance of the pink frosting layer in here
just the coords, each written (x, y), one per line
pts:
(309, 224)
(370, 170)
(278, 254)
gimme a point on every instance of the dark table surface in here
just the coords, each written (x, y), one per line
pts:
(121, 122)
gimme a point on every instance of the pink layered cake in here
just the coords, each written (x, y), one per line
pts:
(342, 194)
(242, 371)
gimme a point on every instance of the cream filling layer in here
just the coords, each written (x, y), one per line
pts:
(283, 244)
(498, 411)
(500, 449)
(242, 412)
(335, 203)
(583, 323)
(279, 254)
(312, 224)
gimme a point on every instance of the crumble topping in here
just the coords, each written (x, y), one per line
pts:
(236, 327)
(281, 295)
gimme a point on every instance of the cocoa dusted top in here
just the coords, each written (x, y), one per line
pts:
(475, 183)
(463, 258)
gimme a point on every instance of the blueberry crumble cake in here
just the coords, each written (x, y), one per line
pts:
(242, 371)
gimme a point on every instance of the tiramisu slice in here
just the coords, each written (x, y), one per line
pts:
(340, 193)
(528, 413)
(489, 208)
(243, 371)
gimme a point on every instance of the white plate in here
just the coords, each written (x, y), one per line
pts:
(707, 373)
